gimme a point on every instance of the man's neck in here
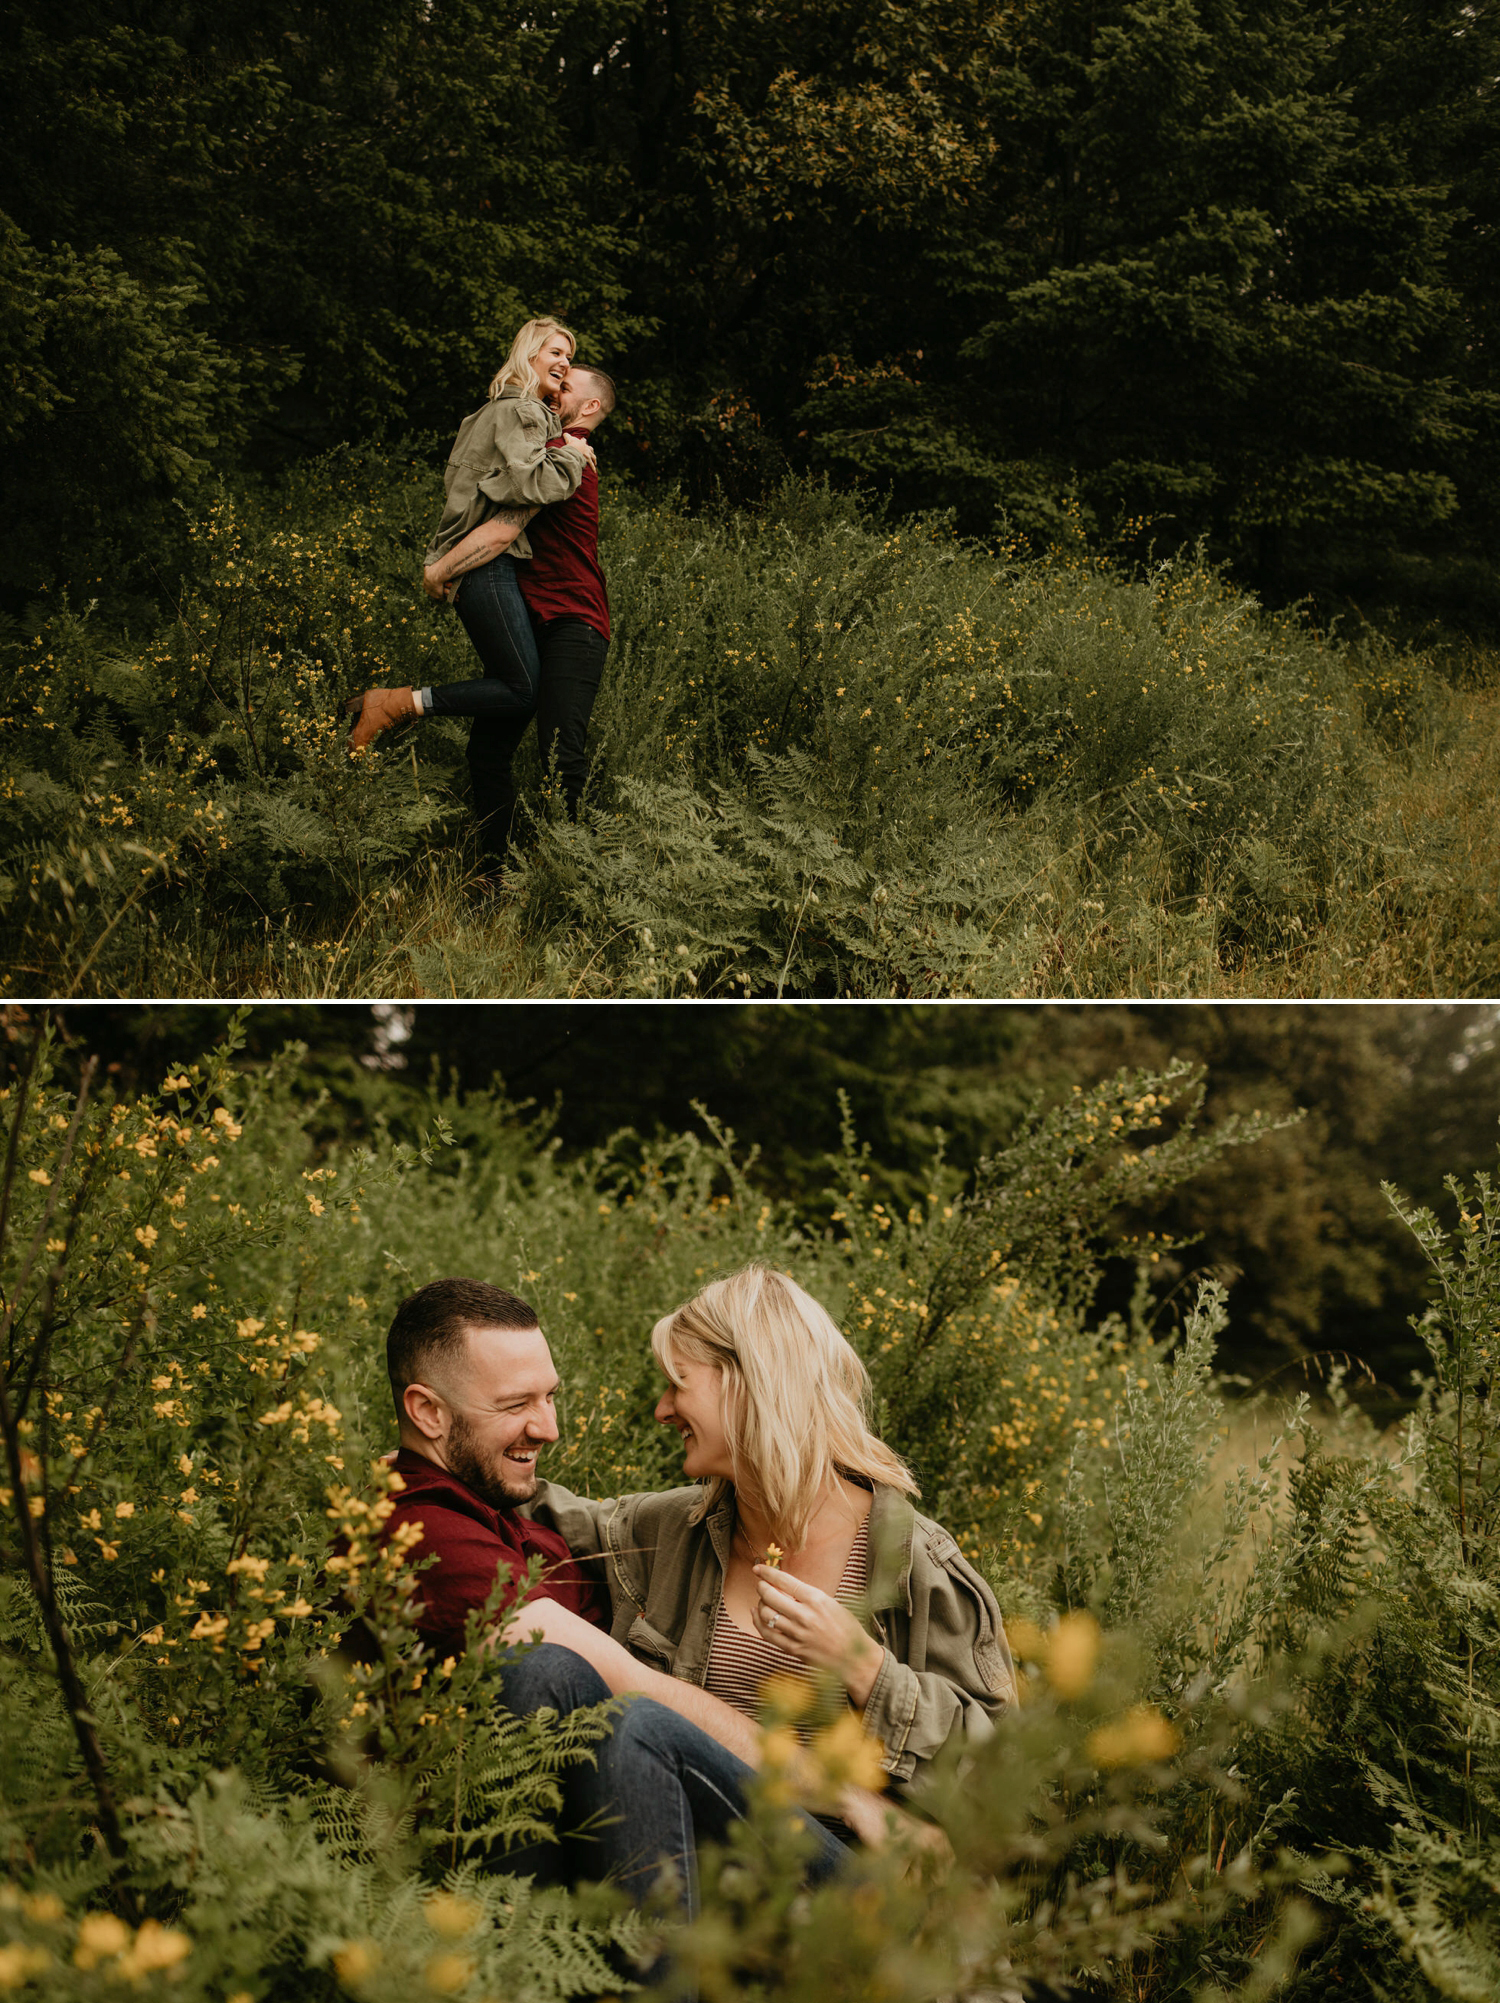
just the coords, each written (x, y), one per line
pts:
(414, 1443)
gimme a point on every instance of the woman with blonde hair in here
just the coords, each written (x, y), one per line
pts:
(798, 1550)
(511, 457)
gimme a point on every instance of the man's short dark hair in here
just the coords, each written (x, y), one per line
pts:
(434, 1321)
(604, 387)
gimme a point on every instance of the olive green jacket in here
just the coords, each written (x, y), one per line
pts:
(946, 1672)
(509, 453)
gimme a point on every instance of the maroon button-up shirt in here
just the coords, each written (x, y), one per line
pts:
(473, 1542)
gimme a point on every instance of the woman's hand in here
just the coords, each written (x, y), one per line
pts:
(435, 585)
(877, 1821)
(585, 445)
(814, 1627)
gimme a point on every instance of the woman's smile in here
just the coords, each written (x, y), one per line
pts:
(551, 365)
(694, 1410)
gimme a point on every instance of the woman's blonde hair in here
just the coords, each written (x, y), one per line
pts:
(515, 372)
(795, 1397)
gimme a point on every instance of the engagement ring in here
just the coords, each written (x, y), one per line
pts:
(770, 1620)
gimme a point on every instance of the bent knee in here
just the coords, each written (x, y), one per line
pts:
(550, 1677)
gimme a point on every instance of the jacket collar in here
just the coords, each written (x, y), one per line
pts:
(893, 1525)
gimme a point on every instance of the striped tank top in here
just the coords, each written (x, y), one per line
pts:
(739, 1662)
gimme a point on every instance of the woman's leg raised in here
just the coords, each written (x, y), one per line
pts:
(494, 615)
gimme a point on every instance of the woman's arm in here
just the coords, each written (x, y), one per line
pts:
(531, 467)
(954, 1690)
(872, 1819)
(479, 546)
(620, 1670)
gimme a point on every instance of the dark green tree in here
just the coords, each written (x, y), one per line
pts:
(321, 222)
(1209, 279)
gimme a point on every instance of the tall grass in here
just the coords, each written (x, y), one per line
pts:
(831, 757)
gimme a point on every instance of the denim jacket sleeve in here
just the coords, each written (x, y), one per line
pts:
(604, 1529)
(946, 1673)
(528, 467)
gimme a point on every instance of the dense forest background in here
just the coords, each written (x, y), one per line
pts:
(1321, 1271)
(1166, 270)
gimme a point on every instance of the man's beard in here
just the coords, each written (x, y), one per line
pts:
(464, 1461)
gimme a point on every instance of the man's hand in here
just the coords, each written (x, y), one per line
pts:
(435, 584)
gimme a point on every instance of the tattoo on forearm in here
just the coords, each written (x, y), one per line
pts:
(519, 516)
(469, 562)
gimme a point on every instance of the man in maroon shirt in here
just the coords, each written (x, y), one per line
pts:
(543, 648)
(474, 1386)
(568, 604)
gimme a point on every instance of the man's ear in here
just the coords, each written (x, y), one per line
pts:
(425, 1409)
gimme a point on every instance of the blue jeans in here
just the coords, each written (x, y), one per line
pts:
(660, 1788)
(551, 672)
(494, 615)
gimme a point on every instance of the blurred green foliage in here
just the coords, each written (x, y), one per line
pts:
(1320, 1270)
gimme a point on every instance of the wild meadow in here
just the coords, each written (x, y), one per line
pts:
(834, 755)
(1255, 1748)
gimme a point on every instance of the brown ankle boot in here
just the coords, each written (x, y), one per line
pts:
(377, 710)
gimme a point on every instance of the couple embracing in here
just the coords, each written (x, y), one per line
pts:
(517, 554)
(794, 1553)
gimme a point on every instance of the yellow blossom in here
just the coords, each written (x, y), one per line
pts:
(156, 1947)
(451, 1916)
(1141, 1737)
(1073, 1654)
(787, 1697)
(848, 1755)
(124, 1511)
(446, 1974)
(99, 1935)
(353, 1961)
(18, 1964)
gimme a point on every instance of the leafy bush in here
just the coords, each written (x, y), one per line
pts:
(829, 757)
(1257, 1727)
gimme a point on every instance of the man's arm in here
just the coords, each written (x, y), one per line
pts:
(479, 546)
(871, 1818)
